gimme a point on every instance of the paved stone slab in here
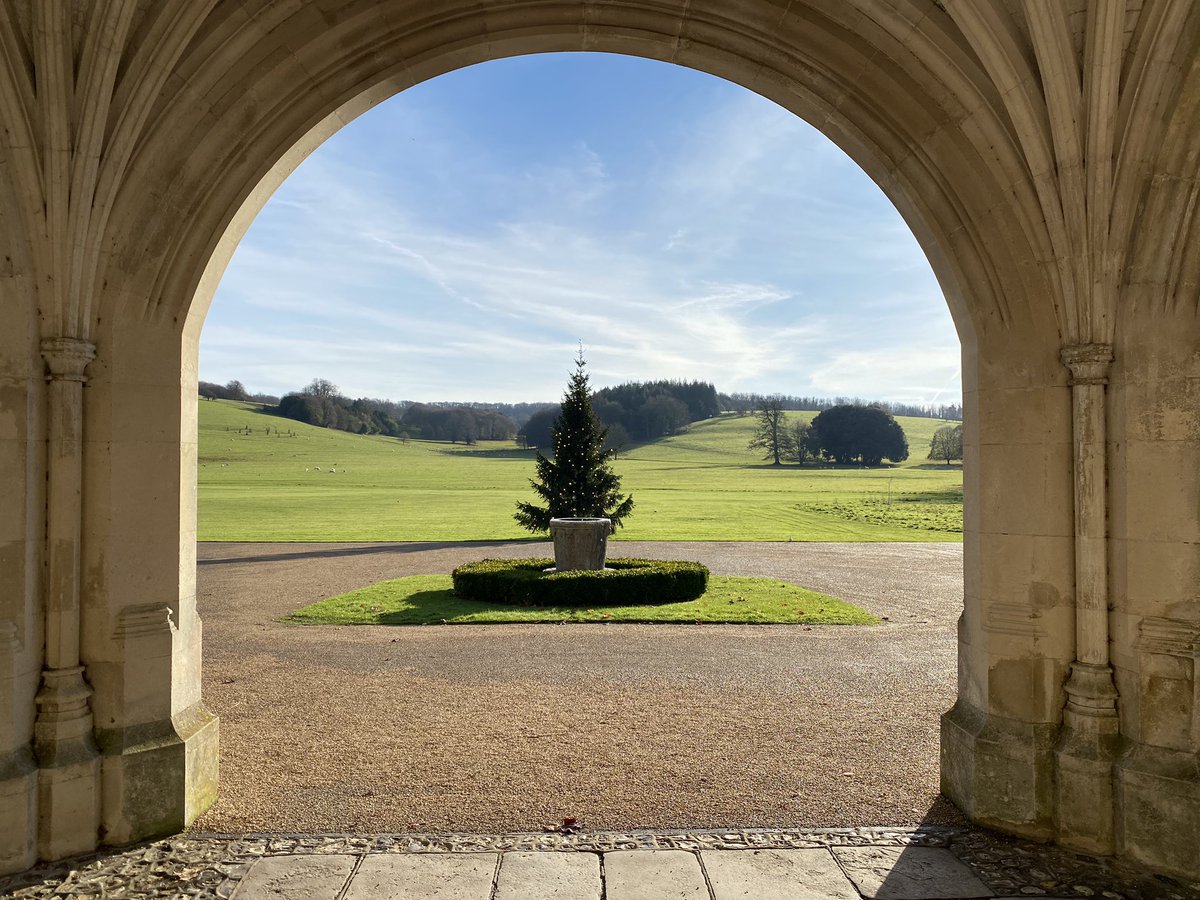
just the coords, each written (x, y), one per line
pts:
(776, 875)
(549, 876)
(653, 875)
(908, 873)
(295, 878)
(424, 876)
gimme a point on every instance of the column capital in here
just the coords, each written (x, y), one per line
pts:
(1088, 363)
(67, 358)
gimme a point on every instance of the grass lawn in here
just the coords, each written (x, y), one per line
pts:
(430, 600)
(703, 485)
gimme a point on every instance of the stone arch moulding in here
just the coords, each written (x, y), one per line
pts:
(1020, 143)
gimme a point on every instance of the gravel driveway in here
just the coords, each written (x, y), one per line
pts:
(500, 728)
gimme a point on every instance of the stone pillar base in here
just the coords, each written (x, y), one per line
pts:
(159, 777)
(200, 731)
(1158, 808)
(68, 766)
(1085, 792)
(1000, 772)
(67, 808)
(18, 799)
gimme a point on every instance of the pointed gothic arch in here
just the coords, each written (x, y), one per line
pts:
(1046, 163)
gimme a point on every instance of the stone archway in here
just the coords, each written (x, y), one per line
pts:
(1047, 162)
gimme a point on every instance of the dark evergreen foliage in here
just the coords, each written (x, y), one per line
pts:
(623, 582)
(539, 430)
(854, 433)
(648, 410)
(579, 481)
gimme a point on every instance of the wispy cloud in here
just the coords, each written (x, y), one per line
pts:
(459, 266)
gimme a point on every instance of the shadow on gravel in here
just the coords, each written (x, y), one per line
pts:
(381, 549)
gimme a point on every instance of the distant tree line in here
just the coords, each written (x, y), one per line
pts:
(518, 412)
(744, 404)
(322, 404)
(234, 390)
(633, 412)
(636, 412)
(458, 424)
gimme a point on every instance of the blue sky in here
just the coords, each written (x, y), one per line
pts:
(459, 241)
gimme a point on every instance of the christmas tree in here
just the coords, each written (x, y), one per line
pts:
(579, 482)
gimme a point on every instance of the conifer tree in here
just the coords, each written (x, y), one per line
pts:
(579, 481)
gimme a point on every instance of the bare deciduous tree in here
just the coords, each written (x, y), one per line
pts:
(772, 433)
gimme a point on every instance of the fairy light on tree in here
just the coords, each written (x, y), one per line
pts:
(579, 481)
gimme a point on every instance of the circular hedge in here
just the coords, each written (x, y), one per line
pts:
(624, 582)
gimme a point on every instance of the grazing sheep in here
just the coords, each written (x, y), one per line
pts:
(317, 469)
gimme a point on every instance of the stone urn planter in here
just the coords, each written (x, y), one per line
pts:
(579, 543)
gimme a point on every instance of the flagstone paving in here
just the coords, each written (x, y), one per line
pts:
(880, 873)
(926, 863)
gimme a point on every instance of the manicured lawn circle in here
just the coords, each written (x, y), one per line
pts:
(430, 600)
(624, 582)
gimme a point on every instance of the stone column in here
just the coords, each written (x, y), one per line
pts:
(1091, 729)
(68, 762)
(1015, 637)
(142, 636)
(18, 771)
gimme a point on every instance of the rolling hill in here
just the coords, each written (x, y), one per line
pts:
(265, 478)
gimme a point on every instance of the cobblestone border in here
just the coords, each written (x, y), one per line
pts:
(210, 865)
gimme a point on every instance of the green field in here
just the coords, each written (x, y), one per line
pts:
(430, 600)
(703, 485)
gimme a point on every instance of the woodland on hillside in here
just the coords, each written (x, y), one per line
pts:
(633, 412)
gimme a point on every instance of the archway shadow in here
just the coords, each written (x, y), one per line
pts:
(949, 858)
(933, 863)
(333, 552)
